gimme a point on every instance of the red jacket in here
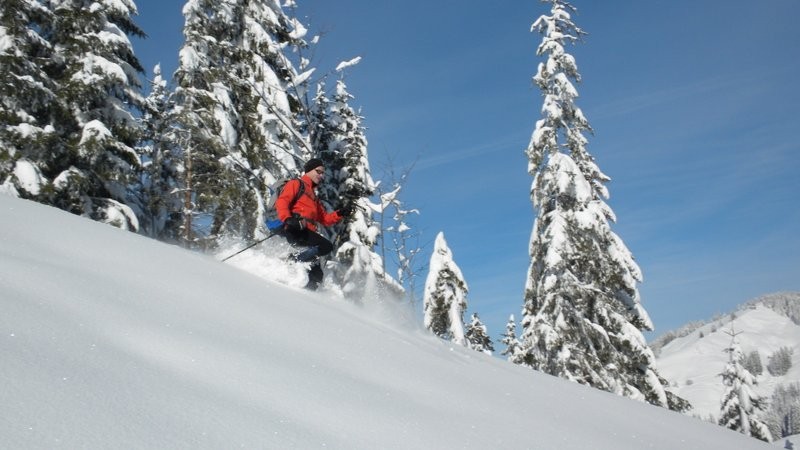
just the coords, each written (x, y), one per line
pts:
(307, 206)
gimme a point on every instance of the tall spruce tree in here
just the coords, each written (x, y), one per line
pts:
(582, 316)
(338, 138)
(238, 107)
(98, 94)
(741, 408)
(160, 194)
(26, 99)
(444, 300)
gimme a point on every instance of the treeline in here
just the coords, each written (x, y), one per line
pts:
(785, 303)
(187, 158)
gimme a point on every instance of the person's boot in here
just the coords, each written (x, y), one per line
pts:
(312, 285)
(315, 276)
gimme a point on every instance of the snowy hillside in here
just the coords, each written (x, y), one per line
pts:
(693, 362)
(112, 340)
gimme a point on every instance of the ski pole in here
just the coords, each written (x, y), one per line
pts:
(248, 247)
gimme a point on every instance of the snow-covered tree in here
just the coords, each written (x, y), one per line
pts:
(741, 407)
(477, 337)
(98, 93)
(399, 238)
(72, 81)
(160, 194)
(509, 339)
(752, 362)
(404, 238)
(582, 315)
(338, 138)
(26, 99)
(780, 362)
(237, 106)
(445, 295)
(783, 417)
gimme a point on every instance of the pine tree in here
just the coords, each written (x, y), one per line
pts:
(509, 339)
(740, 406)
(477, 336)
(784, 411)
(445, 295)
(26, 99)
(238, 106)
(780, 362)
(97, 91)
(752, 361)
(161, 198)
(792, 420)
(338, 138)
(582, 316)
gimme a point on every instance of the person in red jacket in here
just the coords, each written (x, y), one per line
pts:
(301, 222)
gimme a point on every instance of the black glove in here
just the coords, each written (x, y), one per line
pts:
(346, 211)
(292, 223)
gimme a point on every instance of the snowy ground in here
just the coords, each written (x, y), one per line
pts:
(112, 340)
(789, 442)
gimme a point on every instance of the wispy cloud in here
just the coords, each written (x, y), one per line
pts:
(652, 99)
(503, 144)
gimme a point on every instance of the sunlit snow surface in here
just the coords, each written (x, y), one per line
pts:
(112, 340)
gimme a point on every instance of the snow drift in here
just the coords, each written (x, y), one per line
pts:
(109, 339)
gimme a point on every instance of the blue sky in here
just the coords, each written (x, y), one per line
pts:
(693, 106)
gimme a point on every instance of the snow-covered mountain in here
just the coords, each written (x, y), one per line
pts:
(112, 340)
(694, 360)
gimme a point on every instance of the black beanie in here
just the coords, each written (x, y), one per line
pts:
(312, 164)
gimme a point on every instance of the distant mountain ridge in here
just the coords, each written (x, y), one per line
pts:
(784, 303)
(767, 329)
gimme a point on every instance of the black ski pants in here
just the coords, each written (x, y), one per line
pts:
(316, 246)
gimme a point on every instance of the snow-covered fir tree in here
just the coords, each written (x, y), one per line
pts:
(338, 138)
(26, 99)
(741, 408)
(783, 417)
(73, 131)
(159, 187)
(582, 315)
(477, 337)
(509, 339)
(237, 103)
(322, 126)
(98, 92)
(445, 296)
(780, 362)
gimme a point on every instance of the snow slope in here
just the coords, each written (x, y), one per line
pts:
(788, 442)
(111, 340)
(694, 363)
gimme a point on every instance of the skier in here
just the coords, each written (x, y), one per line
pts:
(300, 223)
